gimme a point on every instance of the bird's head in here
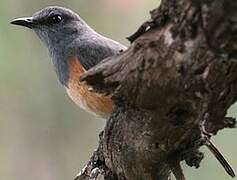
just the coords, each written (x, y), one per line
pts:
(54, 24)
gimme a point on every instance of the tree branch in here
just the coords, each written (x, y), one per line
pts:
(171, 88)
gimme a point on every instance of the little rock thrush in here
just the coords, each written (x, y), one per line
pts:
(74, 47)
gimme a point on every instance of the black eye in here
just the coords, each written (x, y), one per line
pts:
(56, 19)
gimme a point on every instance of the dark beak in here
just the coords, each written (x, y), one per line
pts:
(26, 22)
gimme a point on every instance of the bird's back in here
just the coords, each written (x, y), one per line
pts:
(94, 48)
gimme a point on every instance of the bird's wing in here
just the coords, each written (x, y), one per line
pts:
(92, 51)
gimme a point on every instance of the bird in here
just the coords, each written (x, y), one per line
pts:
(74, 48)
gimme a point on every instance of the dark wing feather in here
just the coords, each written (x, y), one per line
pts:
(92, 51)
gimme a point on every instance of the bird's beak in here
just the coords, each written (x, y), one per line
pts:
(26, 22)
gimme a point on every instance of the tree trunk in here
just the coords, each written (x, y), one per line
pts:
(171, 88)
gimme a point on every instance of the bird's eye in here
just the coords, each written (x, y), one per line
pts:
(56, 19)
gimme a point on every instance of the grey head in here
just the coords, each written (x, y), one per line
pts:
(54, 24)
(66, 35)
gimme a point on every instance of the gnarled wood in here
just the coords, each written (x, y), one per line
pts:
(172, 89)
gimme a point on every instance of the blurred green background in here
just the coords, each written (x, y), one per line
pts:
(43, 135)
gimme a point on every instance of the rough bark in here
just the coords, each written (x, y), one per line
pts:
(171, 88)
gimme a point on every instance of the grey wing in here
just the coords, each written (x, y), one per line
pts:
(92, 51)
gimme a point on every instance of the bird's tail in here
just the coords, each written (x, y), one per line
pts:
(220, 158)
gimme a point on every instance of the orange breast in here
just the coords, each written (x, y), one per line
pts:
(80, 93)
